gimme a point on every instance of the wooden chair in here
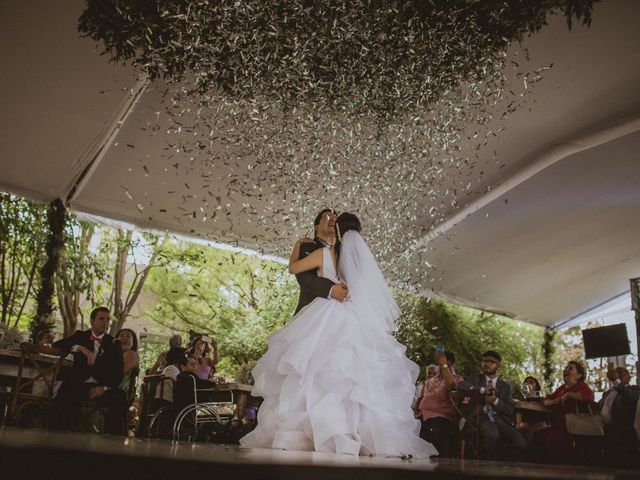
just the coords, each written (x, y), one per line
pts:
(466, 403)
(47, 370)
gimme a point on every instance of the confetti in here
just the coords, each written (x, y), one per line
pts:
(276, 109)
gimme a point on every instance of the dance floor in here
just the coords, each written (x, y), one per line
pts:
(31, 454)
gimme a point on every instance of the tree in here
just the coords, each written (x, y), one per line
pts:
(125, 294)
(79, 273)
(236, 298)
(23, 230)
(54, 247)
(468, 333)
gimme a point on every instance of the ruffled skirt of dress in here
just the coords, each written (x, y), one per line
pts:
(330, 384)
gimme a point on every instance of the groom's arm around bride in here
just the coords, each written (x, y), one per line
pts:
(313, 286)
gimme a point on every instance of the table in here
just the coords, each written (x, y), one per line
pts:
(10, 363)
(241, 394)
(9, 367)
(535, 410)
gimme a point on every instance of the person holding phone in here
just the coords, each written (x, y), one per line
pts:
(436, 411)
(205, 350)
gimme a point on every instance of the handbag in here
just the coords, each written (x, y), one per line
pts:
(588, 424)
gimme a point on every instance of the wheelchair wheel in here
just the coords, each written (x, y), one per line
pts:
(197, 423)
(161, 423)
(185, 428)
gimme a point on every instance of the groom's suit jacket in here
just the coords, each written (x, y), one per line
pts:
(311, 285)
(108, 366)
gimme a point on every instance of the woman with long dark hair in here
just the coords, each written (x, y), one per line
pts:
(129, 344)
(205, 350)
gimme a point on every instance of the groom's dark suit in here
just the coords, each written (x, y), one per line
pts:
(81, 378)
(311, 285)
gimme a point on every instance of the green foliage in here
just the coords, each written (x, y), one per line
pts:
(380, 56)
(54, 248)
(149, 348)
(568, 345)
(80, 272)
(23, 233)
(468, 333)
(236, 298)
(549, 349)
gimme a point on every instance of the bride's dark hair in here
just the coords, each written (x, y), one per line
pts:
(345, 222)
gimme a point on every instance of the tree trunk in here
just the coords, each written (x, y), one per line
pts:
(122, 305)
(69, 285)
(548, 351)
(56, 216)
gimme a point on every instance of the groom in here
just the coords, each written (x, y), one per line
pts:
(311, 285)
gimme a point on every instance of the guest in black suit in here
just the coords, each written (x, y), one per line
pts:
(311, 285)
(96, 375)
(497, 410)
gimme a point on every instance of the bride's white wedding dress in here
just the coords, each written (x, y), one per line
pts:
(334, 380)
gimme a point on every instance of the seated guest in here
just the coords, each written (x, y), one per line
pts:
(45, 338)
(619, 411)
(436, 411)
(176, 360)
(129, 344)
(430, 372)
(531, 422)
(571, 397)
(96, 375)
(186, 381)
(497, 416)
(175, 341)
(532, 389)
(206, 360)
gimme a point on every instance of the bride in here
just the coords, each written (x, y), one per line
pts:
(334, 380)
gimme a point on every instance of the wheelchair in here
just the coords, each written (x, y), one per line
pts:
(208, 418)
(156, 415)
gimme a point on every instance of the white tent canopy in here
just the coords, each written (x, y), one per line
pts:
(549, 230)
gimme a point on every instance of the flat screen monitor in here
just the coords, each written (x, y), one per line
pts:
(609, 341)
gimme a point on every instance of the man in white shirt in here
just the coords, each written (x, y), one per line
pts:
(176, 361)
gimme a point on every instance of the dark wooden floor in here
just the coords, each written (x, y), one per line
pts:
(30, 454)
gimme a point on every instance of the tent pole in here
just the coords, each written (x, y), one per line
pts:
(85, 176)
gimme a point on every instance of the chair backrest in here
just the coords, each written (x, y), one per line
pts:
(152, 390)
(212, 394)
(466, 404)
(45, 361)
(154, 385)
(217, 394)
